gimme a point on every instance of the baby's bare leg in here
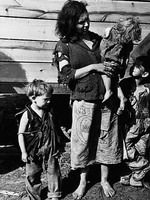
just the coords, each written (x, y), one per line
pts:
(107, 83)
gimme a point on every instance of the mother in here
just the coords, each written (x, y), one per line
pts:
(79, 62)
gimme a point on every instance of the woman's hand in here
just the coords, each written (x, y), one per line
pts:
(110, 68)
(107, 68)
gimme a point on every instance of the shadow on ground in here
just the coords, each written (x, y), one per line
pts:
(12, 179)
(70, 183)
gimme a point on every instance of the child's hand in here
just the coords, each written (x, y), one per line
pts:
(120, 111)
(24, 157)
(121, 107)
(57, 154)
(67, 133)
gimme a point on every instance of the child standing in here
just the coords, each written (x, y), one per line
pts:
(116, 46)
(137, 116)
(38, 142)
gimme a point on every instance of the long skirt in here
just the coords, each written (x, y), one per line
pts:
(85, 132)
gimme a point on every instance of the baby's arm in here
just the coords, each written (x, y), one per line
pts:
(22, 129)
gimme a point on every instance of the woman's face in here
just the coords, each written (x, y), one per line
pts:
(83, 24)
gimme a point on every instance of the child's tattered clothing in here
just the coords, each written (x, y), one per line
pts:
(137, 119)
(40, 140)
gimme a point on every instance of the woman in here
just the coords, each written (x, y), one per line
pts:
(78, 59)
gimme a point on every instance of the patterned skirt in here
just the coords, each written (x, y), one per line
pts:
(85, 132)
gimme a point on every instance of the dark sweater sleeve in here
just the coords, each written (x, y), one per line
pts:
(66, 73)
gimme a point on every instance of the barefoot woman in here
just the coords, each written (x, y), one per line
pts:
(79, 62)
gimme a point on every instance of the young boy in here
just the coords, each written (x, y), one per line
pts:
(38, 142)
(116, 46)
(137, 121)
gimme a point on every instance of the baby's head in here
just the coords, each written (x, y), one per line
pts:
(129, 29)
(38, 88)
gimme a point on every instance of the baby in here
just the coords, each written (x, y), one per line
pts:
(116, 46)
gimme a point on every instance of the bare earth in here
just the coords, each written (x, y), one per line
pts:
(12, 179)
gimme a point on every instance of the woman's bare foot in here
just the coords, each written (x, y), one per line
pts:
(79, 192)
(108, 190)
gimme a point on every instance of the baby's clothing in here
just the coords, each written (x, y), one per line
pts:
(114, 48)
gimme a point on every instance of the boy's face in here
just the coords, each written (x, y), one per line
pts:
(43, 100)
(138, 71)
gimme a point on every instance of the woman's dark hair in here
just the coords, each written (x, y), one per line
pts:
(68, 18)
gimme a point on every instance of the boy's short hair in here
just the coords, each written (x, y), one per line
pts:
(38, 87)
(144, 61)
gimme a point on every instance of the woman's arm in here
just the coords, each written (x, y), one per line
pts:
(99, 67)
(79, 73)
(22, 129)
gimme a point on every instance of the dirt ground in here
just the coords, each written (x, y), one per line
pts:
(12, 179)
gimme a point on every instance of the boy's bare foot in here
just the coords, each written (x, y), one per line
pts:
(108, 190)
(55, 198)
(107, 95)
(139, 176)
(79, 192)
(135, 183)
(125, 180)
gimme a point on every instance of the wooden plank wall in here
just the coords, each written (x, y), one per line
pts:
(27, 35)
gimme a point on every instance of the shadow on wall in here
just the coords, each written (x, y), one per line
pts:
(10, 101)
(10, 71)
